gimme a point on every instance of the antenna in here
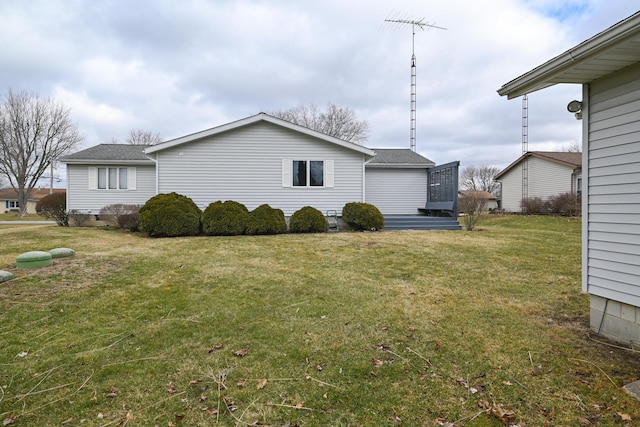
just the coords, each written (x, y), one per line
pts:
(525, 149)
(397, 18)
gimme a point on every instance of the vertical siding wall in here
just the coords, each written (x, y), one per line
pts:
(396, 191)
(245, 165)
(79, 196)
(546, 179)
(611, 248)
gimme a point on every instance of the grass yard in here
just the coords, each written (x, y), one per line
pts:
(412, 328)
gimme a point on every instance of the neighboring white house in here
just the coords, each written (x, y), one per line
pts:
(548, 174)
(608, 67)
(256, 160)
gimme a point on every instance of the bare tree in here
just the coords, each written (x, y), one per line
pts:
(143, 137)
(34, 132)
(574, 147)
(479, 178)
(473, 205)
(335, 121)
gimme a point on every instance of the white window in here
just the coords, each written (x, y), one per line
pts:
(307, 173)
(12, 204)
(111, 178)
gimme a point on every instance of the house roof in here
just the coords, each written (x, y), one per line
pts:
(399, 158)
(605, 53)
(571, 160)
(480, 194)
(110, 153)
(261, 117)
(36, 193)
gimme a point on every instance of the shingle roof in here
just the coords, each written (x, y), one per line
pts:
(399, 157)
(479, 194)
(572, 160)
(109, 152)
(36, 193)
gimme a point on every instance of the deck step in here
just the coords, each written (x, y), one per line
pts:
(419, 222)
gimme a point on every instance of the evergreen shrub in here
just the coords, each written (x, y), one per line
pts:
(225, 218)
(170, 215)
(307, 220)
(362, 216)
(266, 220)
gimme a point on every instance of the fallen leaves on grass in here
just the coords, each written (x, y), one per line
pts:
(113, 392)
(215, 347)
(170, 388)
(261, 384)
(241, 352)
(396, 420)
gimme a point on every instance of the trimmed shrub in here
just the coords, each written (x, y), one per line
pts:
(266, 220)
(111, 214)
(307, 220)
(79, 218)
(130, 221)
(566, 204)
(362, 216)
(225, 218)
(534, 206)
(54, 206)
(170, 215)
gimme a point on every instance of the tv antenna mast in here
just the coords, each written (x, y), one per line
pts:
(397, 18)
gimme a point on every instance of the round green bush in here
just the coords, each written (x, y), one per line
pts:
(362, 216)
(170, 215)
(307, 220)
(225, 218)
(266, 220)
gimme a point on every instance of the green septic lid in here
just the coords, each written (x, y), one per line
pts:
(62, 252)
(6, 275)
(33, 259)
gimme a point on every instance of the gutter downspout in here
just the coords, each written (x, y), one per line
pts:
(154, 160)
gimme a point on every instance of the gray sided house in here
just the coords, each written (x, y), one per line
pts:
(608, 68)
(549, 174)
(256, 160)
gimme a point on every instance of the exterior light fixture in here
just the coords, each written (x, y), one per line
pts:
(576, 108)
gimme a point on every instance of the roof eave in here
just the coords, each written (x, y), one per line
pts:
(543, 76)
(106, 162)
(254, 119)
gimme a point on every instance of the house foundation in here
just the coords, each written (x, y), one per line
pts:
(615, 320)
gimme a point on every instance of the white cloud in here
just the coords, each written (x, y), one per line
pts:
(180, 67)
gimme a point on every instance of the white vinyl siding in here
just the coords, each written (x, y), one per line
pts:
(252, 165)
(83, 193)
(546, 179)
(612, 222)
(396, 191)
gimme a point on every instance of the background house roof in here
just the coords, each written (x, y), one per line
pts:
(479, 194)
(36, 193)
(607, 52)
(399, 157)
(112, 153)
(572, 160)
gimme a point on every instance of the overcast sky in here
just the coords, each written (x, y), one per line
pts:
(178, 67)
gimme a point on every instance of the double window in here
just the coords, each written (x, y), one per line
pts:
(112, 178)
(307, 173)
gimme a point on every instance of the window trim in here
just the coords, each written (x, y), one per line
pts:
(288, 173)
(126, 184)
